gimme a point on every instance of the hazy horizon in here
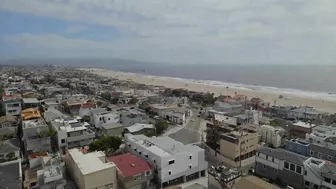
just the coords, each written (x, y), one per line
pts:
(172, 32)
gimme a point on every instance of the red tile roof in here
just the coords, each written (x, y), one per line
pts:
(87, 105)
(129, 164)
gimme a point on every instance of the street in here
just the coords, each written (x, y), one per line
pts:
(190, 133)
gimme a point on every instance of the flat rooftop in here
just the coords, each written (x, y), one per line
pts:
(30, 101)
(162, 146)
(90, 162)
(33, 123)
(303, 124)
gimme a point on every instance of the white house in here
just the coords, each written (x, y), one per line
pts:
(305, 113)
(323, 135)
(101, 116)
(319, 174)
(270, 135)
(226, 119)
(173, 162)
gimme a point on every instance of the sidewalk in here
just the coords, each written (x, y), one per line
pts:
(177, 128)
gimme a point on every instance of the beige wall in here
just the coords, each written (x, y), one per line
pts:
(101, 179)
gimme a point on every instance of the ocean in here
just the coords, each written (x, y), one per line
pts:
(313, 81)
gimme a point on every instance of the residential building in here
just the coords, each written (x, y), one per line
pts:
(172, 161)
(323, 135)
(71, 133)
(9, 149)
(138, 128)
(319, 174)
(281, 166)
(322, 152)
(30, 114)
(305, 113)
(11, 104)
(300, 129)
(132, 117)
(52, 172)
(101, 116)
(90, 170)
(298, 146)
(132, 172)
(271, 135)
(73, 106)
(227, 107)
(224, 119)
(11, 174)
(8, 125)
(112, 129)
(253, 182)
(36, 136)
(175, 115)
(84, 110)
(50, 103)
(30, 103)
(238, 148)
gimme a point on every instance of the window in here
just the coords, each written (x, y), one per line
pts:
(135, 149)
(137, 177)
(146, 156)
(171, 162)
(330, 158)
(190, 157)
(299, 149)
(148, 173)
(154, 161)
(2, 156)
(109, 186)
(63, 141)
(311, 152)
(319, 155)
(292, 167)
(286, 165)
(334, 182)
(290, 147)
(169, 173)
(305, 173)
(328, 180)
(129, 145)
(298, 169)
(307, 183)
(264, 166)
(140, 153)
(315, 186)
(272, 159)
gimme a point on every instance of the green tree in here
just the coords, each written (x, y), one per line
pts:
(161, 126)
(52, 132)
(10, 155)
(275, 123)
(86, 118)
(133, 100)
(106, 144)
(106, 96)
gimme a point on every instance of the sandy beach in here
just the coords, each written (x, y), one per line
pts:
(319, 104)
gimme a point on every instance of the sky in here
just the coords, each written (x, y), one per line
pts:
(171, 31)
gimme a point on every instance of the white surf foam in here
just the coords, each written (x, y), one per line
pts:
(268, 89)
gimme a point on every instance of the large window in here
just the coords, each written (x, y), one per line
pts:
(137, 177)
(298, 169)
(148, 173)
(286, 165)
(292, 167)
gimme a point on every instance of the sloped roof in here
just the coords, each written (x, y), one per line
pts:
(283, 155)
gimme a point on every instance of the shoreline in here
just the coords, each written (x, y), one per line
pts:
(326, 105)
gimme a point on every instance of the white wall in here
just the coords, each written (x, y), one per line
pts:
(226, 119)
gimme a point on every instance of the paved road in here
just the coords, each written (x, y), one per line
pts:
(189, 134)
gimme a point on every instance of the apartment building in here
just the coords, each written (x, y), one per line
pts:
(271, 135)
(71, 133)
(305, 113)
(11, 104)
(173, 162)
(138, 128)
(319, 174)
(298, 146)
(36, 136)
(281, 166)
(238, 148)
(91, 170)
(132, 117)
(301, 129)
(132, 172)
(30, 103)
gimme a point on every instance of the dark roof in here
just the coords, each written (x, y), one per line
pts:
(283, 155)
(11, 145)
(10, 175)
(322, 149)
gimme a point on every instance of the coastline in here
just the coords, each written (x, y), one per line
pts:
(326, 105)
